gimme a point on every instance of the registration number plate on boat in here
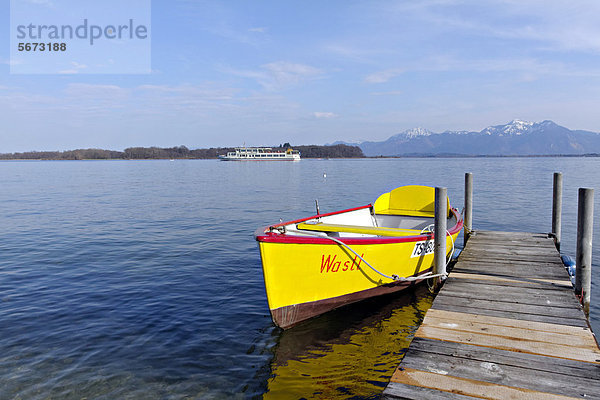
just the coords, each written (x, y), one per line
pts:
(422, 248)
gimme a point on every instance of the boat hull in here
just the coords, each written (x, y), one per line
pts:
(288, 316)
(305, 279)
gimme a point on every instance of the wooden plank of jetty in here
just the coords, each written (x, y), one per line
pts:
(505, 325)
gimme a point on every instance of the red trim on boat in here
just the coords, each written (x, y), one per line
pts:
(267, 236)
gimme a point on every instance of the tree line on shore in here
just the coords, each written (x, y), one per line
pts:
(179, 152)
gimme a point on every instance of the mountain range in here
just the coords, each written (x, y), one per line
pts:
(515, 138)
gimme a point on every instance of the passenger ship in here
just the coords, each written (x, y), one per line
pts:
(260, 154)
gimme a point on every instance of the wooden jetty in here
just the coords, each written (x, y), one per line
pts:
(505, 325)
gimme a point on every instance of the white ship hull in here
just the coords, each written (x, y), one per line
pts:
(260, 154)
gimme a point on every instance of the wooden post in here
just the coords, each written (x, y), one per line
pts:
(468, 217)
(557, 208)
(439, 231)
(585, 224)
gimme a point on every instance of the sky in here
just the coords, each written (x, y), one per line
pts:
(261, 73)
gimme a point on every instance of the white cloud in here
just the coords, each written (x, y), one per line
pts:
(359, 53)
(11, 62)
(561, 25)
(221, 19)
(383, 76)
(259, 29)
(40, 2)
(279, 75)
(389, 93)
(109, 94)
(553, 25)
(327, 115)
(525, 69)
(75, 68)
(286, 73)
(204, 92)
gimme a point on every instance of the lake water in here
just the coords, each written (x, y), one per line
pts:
(142, 280)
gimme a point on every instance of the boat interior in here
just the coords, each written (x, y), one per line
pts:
(405, 211)
(364, 223)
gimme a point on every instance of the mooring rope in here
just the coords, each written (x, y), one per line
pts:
(394, 277)
(427, 229)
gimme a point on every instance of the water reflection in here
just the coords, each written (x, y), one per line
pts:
(350, 352)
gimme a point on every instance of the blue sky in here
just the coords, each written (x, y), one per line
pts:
(225, 73)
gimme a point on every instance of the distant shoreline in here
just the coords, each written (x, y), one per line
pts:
(592, 155)
(337, 151)
(179, 152)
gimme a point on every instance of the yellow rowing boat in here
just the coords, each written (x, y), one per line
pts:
(315, 264)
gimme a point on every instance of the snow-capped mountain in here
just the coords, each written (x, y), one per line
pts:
(412, 133)
(515, 127)
(518, 137)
